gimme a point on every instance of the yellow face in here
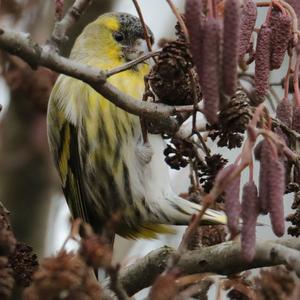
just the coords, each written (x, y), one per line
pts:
(111, 40)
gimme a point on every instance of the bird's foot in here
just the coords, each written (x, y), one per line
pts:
(144, 152)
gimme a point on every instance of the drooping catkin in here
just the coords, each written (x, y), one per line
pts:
(262, 62)
(231, 35)
(296, 119)
(193, 20)
(210, 78)
(281, 26)
(249, 214)
(233, 205)
(284, 112)
(248, 19)
(266, 152)
(276, 192)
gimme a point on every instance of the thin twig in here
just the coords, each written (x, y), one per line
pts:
(179, 19)
(132, 63)
(62, 27)
(146, 33)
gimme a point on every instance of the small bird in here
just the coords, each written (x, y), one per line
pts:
(105, 168)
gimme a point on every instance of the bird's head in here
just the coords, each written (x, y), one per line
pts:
(114, 38)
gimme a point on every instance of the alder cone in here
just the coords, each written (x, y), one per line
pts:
(248, 19)
(211, 59)
(250, 211)
(262, 63)
(170, 77)
(281, 26)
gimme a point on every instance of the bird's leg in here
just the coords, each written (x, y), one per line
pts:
(144, 152)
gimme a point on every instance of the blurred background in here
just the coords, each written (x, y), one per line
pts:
(29, 185)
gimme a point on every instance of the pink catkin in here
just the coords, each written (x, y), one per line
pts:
(284, 112)
(193, 20)
(262, 62)
(296, 119)
(296, 5)
(265, 155)
(231, 35)
(233, 205)
(224, 173)
(276, 192)
(250, 212)
(211, 60)
(281, 26)
(248, 19)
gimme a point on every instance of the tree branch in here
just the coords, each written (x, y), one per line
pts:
(61, 28)
(21, 44)
(222, 259)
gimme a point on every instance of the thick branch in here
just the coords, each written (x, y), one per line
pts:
(223, 259)
(20, 44)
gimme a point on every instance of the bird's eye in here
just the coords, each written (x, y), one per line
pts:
(119, 37)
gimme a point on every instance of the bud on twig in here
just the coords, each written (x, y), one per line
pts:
(262, 62)
(281, 34)
(211, 54)
(193, 19)
(230, 45)
(232, 205)
(250, 211)
(249, 14)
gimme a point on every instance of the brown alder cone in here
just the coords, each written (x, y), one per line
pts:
(262, 63)
(233, 205)
(250, 212)
(248, 19)
(231, 33)
(211, 59)
(193, 20)
(281, 26)
(63, 274)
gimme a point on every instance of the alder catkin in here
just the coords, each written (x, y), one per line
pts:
(266, 153)
(210, 78)
(284, 112)
(249, 214)
(231, 34)
(248, 19)
(276, 192)
(262, 62)
(296, 119)
(233, 205)
(281, 26)
(193, 20)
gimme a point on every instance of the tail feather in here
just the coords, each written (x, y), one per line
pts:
(182, 210)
